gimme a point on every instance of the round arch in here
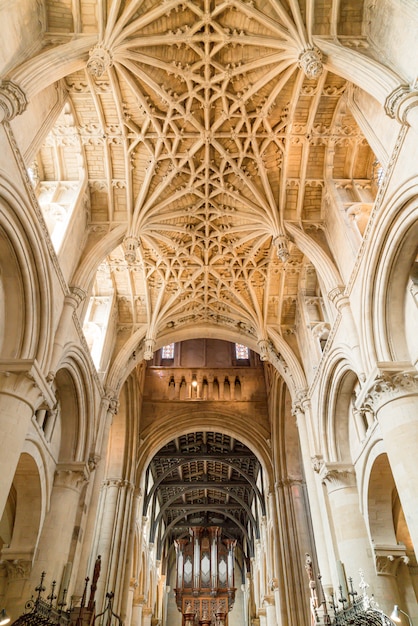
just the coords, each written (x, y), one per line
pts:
(386, 273)
(25, 281)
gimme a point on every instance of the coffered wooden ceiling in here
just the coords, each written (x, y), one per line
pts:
(207, 131)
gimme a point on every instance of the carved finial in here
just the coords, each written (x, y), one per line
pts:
(12, 100)
(281, 243)
(310, 61)
(263, 345)
(100, 60)
(149, 348)
(131, 244)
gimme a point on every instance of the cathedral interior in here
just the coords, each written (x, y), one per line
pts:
(208, 312)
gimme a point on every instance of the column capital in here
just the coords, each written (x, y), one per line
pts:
(338, 298)
(75, 297)
(389, 558)
(300, 403)
(337, 476)
(111, 399)
(24, 380)
(400, 101)
(71, 475)
(12, 100)
(18, 569)
(387, 382)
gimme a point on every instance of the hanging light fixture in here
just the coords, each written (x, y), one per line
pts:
(394, 615)
(4, 618)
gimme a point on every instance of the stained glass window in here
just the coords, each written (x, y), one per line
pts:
(167, 352)
(241, 351)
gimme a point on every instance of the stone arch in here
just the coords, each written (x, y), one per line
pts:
(26, 512)
(192, 419)
(335, 402)
(386, 274)
(74, 423)
(25, 284)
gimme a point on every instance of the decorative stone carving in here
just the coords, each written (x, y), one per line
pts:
(149, 348)
(100, 60)
(388, 560)
(131, 244)
(337, 297)
(72, 476)
(263, 346)
(389, 386)
(337, 476)
(18, 569)
(317, 463)
(12, 100)
(310, 61)
(281, 243)
(400, 102)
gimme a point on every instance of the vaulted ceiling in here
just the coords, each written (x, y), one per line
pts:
(205, 131)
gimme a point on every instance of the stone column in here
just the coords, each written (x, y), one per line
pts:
(22, 389)
(97, 465)
(113, 524)
(301, 410)
(57, 532)
(71, 303)
(270, 610)
(393, 395)
(352, 546)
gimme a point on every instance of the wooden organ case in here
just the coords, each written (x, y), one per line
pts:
(205, 590)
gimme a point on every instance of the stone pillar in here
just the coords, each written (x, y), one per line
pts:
(58, 529)
(113, 524)
(352, 547)
(97, 465)
(317, 506)
(71, 303)
(22, 388)
(270, 610)
(393, 395)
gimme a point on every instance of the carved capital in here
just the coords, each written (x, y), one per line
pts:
(18, 569)
(12, 100)
(400, 102)
(337, 297)
(317, 462)
(112, 402)
(100, 59)
(71, 476)
(388, 561)
(310, 61)
(388, 386)
(76, 296)
(337, 476)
